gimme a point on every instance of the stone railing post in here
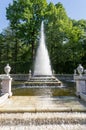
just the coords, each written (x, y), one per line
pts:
(6, 81)
(80, 80)
(6, 85)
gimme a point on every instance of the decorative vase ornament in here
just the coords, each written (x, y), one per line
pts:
(80, 69)
(7, 69)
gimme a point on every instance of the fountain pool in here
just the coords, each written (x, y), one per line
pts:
(19, 89)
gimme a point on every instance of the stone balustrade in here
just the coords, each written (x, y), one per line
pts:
(25, 77)
(20, 77)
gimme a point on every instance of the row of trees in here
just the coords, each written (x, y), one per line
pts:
(65, 38)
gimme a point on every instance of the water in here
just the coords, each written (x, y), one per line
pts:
(20, 89)
(42, 62)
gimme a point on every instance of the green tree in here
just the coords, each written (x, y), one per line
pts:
(65, 38)
(25, 18)
(58, 26)
(82, 25)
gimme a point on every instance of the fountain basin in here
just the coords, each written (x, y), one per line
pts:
(36, 104)
(43, 81)
(20, 89)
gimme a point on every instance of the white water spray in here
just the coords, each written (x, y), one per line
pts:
(42, 62)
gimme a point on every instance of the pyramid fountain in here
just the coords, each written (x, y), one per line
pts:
(42, 75)
(35, 112)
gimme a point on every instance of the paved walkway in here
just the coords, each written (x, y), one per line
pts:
(43, 104)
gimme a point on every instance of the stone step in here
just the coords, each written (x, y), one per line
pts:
(43, 118)
(44, 127)
(42, 83)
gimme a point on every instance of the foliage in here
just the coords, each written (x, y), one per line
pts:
(65, 38)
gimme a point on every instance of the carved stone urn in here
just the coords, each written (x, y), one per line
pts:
(7, 69)
(80, 69)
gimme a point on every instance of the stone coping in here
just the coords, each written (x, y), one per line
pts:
(43, 104)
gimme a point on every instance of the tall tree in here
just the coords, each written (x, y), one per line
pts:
(25, 17)
(58, 26)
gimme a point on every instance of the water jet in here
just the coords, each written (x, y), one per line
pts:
(42, 74)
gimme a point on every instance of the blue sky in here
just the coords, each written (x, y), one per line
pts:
(76, 9)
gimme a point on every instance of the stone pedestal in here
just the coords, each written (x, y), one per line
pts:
(80, 84)
(80, 79)
(6, 85)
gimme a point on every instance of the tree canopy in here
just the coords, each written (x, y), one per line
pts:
(65, 38)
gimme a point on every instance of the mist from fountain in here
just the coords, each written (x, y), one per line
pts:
(42, 65)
